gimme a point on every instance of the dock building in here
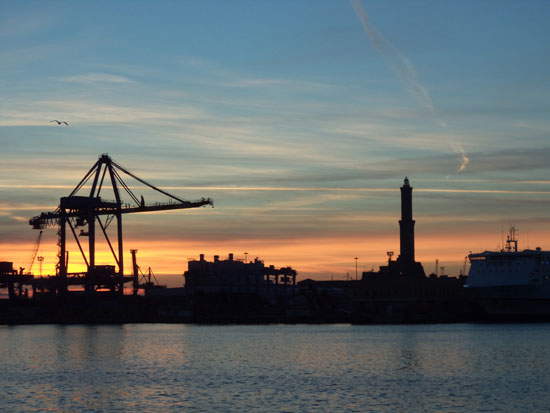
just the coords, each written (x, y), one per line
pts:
(236, 276)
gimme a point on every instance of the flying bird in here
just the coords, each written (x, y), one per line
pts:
(60, 122)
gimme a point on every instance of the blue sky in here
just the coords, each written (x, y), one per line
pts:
(286, 114)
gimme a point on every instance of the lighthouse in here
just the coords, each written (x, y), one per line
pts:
(406, 263)
(406, 225)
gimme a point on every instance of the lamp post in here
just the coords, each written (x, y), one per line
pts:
(356, 258)
(40, 260)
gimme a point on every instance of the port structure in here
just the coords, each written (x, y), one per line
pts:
(85, 210)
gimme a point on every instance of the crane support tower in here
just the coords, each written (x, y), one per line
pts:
(85, 210)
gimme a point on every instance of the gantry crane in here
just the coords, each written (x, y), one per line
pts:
(77, 210)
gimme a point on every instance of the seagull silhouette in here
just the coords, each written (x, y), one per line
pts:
(60, 122)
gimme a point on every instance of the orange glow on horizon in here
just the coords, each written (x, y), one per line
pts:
(311, 257)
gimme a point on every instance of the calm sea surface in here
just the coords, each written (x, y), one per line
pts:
(140, 367)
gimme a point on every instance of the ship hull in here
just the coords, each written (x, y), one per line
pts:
(513, 303)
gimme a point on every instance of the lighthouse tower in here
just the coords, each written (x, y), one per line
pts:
(406, 225)
(406, 263)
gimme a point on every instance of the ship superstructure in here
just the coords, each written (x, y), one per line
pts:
(509, 267)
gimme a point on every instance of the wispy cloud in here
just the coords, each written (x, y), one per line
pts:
(197, 61)
(11, 59)
(38, 113)
(97, 78)
(258, 82)
(222, 76)
(12, 210)
(25, 24)
(302, 189)
(10, 206)
(274, 82)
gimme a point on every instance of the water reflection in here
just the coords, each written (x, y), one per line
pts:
(275, 368)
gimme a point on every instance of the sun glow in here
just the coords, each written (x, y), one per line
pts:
(317, 257)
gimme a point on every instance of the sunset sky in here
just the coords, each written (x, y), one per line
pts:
(299, 118)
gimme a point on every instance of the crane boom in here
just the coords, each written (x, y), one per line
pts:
(51, 219)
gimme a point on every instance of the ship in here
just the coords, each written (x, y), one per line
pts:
(511, 284)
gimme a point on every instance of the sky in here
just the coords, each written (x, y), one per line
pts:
(300, 119)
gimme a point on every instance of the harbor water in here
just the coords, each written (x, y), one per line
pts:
(280, 368)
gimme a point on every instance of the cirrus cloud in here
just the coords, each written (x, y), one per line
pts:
(97, 78)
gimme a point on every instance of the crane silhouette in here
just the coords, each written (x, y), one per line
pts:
(81, 209)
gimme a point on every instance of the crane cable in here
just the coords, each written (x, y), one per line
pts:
(35, 252)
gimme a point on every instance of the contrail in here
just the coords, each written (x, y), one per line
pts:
(402, 66)
(464, 159)
(405, 70)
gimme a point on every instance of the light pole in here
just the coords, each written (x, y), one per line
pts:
(40, 260)
(356, 258)
(246, 257)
